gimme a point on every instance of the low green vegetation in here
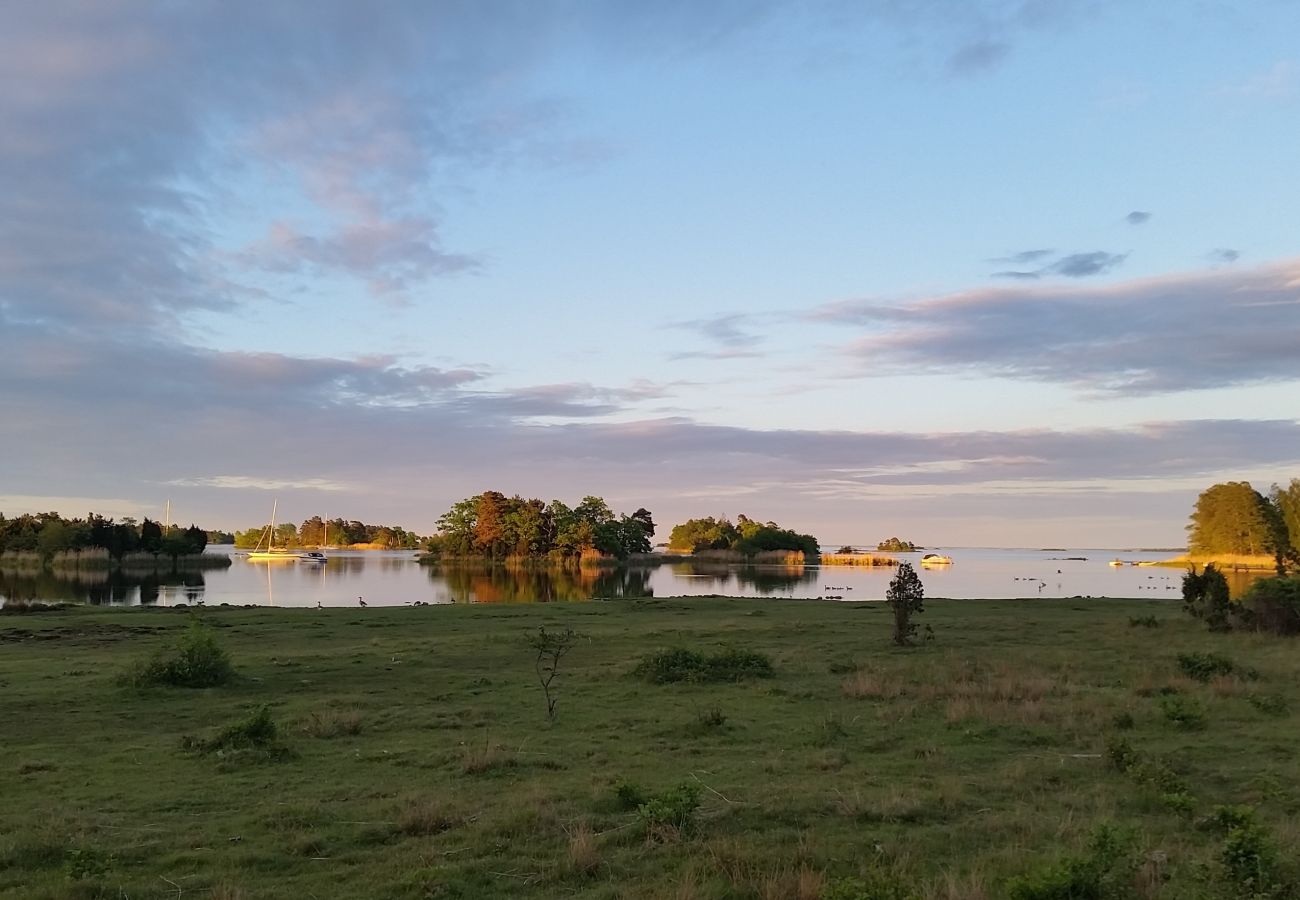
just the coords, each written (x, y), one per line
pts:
(895, 545)
(48, 539)
(318, 532)
(746, 537)
(703, 749)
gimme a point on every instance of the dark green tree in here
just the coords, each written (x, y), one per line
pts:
(150, 536)
(905, 596)
(1206, 597)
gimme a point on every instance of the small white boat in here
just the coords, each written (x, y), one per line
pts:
(935, 559)
(271, 552)
(1116, 562)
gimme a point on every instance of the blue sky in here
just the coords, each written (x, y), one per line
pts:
(1019, 272)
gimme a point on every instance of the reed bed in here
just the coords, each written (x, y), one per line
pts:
(858, 559)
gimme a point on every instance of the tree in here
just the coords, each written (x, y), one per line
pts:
(150, 536)
(905, 595)
(1287, 502)
(1230, 518)
(489, 530)
(1206, 597)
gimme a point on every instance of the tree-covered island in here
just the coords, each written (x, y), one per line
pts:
(746, 537)
(493, 526)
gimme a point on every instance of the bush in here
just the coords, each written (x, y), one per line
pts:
(1249, 855)
(1268, 704)
(681, 664)
(1205, 666)
(671, 814)
(630, 795)
(197, 661)
(1274, 605)
(1121, 754)
(1143, 622)
(1101, 874)
(257, 732)
(1206, 597)
(1184, 712)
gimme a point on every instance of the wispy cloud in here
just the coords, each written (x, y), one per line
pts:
(1073, 265)
(1138, 217)
(1281, 81)
(1197, 330)
(256, 483)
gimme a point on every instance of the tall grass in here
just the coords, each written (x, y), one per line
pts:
(857, 559)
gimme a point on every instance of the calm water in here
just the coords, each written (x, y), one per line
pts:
(394, 579)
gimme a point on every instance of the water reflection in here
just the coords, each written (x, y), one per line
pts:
(104, 587)
(499, 584)
(760, 579)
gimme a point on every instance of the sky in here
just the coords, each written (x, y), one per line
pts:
(969, 272)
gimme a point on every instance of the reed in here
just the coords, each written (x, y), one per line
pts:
(871, 560)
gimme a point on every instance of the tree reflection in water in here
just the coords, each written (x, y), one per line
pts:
(104, 587)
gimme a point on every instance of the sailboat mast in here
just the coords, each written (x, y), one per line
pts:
(271, 540)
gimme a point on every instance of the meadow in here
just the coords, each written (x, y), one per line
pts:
(1035, 749)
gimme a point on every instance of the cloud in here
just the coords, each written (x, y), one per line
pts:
(1084, 265)
(253, 482)
(1281, 81)
(730, 332)
(1138, 217)
(1023, 257)
(978, 55)
(1183, 332)
(1074, 265)
(1223, 255)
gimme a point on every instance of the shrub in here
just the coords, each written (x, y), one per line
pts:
(197, 661)
(1205, 666)
(711, 719)
(1102, 873)
(681, 664)
(1123, 720)
(1268, 704)
(1206, 597)
(1274, 605)
(420, 818)
(1121, 754)
(1143, 622)
(671, 814)
(257, 732)
(630, 795)
(1184, 712)
(1249, 855)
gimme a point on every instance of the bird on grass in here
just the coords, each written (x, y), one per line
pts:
(362, 602)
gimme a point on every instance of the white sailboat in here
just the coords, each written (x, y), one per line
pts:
(270, 551)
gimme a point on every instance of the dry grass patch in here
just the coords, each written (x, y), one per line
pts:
(476, 759)
(865, 684)
(583, 853)
(424, 817)
(792, 884)
(957, 887)
(332, 723)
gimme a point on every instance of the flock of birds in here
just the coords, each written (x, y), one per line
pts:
(827, 587)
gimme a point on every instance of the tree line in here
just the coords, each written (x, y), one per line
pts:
(746, 536)
(1235, 518)
(49, 533)
(495, 526)
(318, 532)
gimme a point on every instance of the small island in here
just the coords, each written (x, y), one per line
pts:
(894, 545)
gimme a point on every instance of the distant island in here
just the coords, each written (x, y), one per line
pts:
(341, 533)
(894, 545)
(747, 538)
(48, 540)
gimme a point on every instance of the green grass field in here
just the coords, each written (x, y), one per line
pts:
(415, 758)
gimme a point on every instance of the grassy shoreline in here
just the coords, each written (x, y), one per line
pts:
(419, 761)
